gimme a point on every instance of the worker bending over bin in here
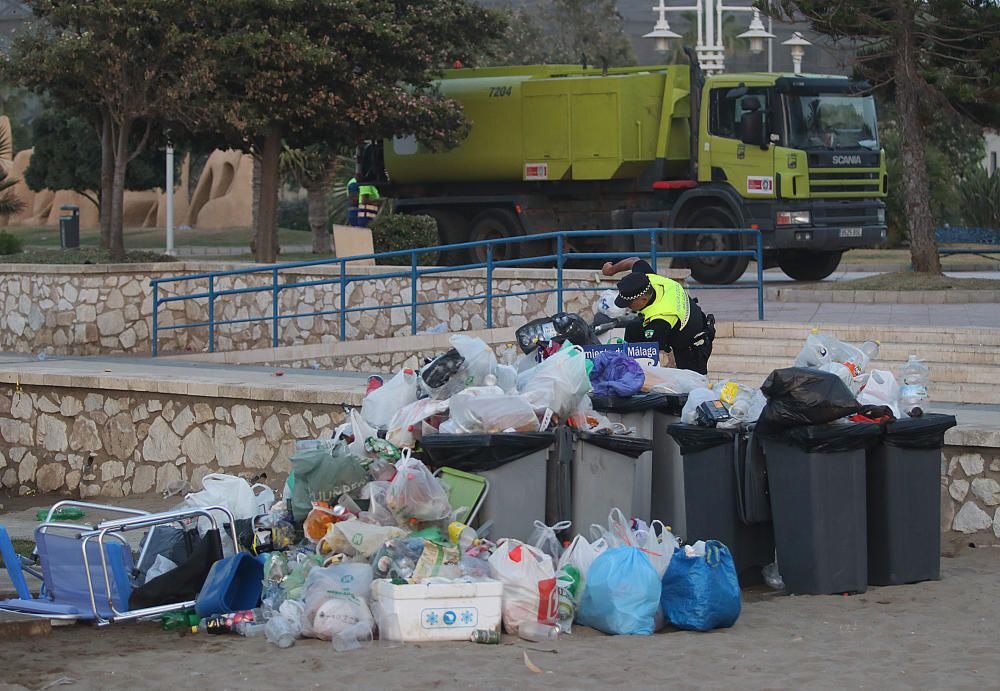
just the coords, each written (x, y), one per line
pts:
(670, 316)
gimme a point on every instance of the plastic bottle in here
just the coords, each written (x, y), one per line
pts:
(249, 629)
(280, 632)
(537, 631)
(913, 395)
(508, 354)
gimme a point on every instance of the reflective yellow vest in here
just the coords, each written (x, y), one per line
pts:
(670, 302)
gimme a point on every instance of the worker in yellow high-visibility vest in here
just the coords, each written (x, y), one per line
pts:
(363, 203)
(670, 316)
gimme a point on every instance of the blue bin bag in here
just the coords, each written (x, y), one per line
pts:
(616, 374)
(233, 585)
(622, 593)
(701, 593)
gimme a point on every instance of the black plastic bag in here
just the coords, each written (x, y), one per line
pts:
(695, 438)
(184, 582)
(831, 438)
(478, 452)
(803, 396)
(669, 403)
(624, 444)
(753, 498)
(926, 432)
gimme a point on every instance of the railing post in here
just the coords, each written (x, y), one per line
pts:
(489, 286)
(274, 308)
(211, 313)
(343, 300)
(652, 249)
(760, 276)
(156, 315)
(413, 292)
(559, 273)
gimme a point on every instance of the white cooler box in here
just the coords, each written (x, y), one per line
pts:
(435, 611)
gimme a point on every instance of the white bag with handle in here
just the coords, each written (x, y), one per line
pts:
(529, 585)
(581, 554)
(658, 546)
(545, 539)
(219, 489)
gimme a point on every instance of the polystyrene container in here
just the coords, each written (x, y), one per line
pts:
(435, 611)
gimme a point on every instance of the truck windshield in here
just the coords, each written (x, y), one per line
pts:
(831, 121)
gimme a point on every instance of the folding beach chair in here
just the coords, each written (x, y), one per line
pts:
(466, 492)
(88, 572)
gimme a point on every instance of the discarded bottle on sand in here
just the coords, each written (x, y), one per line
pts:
(913, 395)
(280, 632)
(487, 636)
(537, 631)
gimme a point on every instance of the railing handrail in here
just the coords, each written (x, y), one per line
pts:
(415, 272)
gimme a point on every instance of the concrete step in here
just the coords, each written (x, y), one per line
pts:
(986, 375)
(888, 352)
(857, 333)
(944, 392)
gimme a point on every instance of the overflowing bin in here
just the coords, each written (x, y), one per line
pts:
(726, 491)
(904, 501)
(514, 463)
(816, 480)
(658, 490)
(603, 470)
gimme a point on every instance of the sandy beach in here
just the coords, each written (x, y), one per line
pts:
(932, 635)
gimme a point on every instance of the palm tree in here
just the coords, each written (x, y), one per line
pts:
(316, 169)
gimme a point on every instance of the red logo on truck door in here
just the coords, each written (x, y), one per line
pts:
(536, 171)
(760, 184)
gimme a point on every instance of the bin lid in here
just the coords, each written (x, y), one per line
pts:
(479, 452)
(925, 432)
(695, 438)
(829, 438)
(669, 403)
(625, 444)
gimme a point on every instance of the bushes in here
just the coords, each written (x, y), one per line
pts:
(10, 244)
(392, 232)
(293, 214)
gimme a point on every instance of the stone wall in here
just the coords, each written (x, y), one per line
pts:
(80, 443)
(85, 310)
(970, 489)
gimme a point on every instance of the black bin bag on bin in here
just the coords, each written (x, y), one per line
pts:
(831, 438)
(693, 438)
(803, 396)
(633, 447)
(926, 432)
(669, 403)
(475, 453)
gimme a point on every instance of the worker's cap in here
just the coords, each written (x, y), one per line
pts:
(632, 286)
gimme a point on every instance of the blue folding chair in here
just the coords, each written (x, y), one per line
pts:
(87, 571)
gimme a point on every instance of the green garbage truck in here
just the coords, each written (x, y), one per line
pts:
(571, 147)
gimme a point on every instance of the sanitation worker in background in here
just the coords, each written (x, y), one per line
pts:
(670, 316)
(363, 203)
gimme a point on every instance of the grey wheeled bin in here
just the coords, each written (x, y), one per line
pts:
(904, 501)
(816, 479)
(649, 414)
(515, 465)
(603, 472)
(725, 487)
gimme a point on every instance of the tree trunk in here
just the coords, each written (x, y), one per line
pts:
(916, 186)
(319, 217)
(255, 202)
(107, 178)
(117, 220)
(266, 240)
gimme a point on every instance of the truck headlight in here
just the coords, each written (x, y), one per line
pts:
(790, 218)
(880, 214)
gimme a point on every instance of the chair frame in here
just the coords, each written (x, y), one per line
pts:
(474, 510)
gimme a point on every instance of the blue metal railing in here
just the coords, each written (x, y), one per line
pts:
(415, 273)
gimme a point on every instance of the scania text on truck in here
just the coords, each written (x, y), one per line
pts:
(564, 147)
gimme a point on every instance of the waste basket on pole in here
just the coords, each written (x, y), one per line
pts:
(657, 470)
(725, 487)
(904, 501)
(515, 465)
(604, 468)
(816, 479)
(69, 227)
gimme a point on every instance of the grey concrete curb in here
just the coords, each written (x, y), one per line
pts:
(893, 297)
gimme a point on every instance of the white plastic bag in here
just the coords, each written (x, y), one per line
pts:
(696, 397)
(670, 380)
(581, 554)
(381, 404)
(229, 491)
(658, 546)
(378, 511)
(544, 538)
(490, 414)
(361, 431)
(336, 603)
(416, 494)
(529, 584)
(265, 498)
(480, 360)
(354, 537)
(409, 417)
(748, 406)
(558, 382)
(879, 387)
(606, 305)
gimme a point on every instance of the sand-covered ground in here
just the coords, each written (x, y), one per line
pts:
(938, 635)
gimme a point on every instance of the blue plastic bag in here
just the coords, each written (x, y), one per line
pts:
(616, 374)
(622, 593)
(701, 593)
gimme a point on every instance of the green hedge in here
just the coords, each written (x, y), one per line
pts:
(10, 244)
(392, 232)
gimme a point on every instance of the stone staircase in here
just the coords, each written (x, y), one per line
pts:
(964, 363)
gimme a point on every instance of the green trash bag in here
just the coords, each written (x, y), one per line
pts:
(324, 474)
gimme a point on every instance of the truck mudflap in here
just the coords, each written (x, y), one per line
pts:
(825, 238)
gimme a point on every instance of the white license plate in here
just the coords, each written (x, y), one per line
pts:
(850, 232)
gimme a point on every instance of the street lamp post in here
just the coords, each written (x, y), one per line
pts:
(798, 44)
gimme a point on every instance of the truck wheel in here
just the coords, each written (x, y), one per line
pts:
(452, 228)
(803, 265)
(493, 225)
(713, 269)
